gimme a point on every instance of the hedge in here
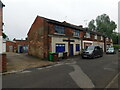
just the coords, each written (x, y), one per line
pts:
(116, 46)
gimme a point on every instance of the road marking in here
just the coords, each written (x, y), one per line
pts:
(26, 71)
(109, 69)
(108, 86)
(48, 66)
(81, 79)
(58, 64)
(71, 63)
(39, 68)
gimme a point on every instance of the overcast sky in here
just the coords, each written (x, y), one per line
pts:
(20, 14)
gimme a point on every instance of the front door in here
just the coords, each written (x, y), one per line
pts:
(71, 50)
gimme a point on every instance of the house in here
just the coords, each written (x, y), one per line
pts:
(19, 46)
(108, 42)
(10, 46)
(93, 38)
(46, 35)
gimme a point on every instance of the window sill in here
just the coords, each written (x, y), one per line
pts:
(59, 34)
(77, 36)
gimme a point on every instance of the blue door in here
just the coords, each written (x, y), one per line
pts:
(71, 49)
(21, 49)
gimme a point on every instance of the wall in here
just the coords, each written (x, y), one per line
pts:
(87, 42)
(1, 44)
(10, 44)
(77, 41)
(4, 46)
(59, 39)
(36, 38)
(1, 17)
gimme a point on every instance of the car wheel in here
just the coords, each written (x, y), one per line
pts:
(83, 57)
(93, 56)
(101, 55)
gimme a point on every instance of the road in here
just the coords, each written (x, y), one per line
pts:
(71, 73)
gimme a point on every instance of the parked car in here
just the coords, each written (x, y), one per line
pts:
(110, 50)
(119, 50)
(92, 52)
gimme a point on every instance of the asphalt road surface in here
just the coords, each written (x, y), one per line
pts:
(71, 73)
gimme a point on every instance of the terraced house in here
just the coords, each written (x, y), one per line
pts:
(46, 35)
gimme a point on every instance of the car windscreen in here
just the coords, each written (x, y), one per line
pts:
(111, 49)
(90, 48)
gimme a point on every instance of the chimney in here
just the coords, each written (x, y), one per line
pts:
(80, 26)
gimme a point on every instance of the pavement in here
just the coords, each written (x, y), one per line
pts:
(18, 62)
(73, 72)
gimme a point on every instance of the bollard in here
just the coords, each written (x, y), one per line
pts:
(4, 63)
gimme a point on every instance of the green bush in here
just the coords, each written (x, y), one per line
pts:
(116, 46)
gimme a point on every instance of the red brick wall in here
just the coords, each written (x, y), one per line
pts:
(36, 38)
(10, 43)
(22, 43)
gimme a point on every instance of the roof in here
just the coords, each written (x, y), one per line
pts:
(94, 32)
(66, 24)
(63, 23)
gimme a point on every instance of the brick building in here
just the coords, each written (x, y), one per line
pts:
(10, 46)
(20, 46)
(93, 38)
(46, 35)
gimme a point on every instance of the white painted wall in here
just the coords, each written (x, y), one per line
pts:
(84, 41)
(1, 44)
(4, 46)
(74, 44)
(57, 39)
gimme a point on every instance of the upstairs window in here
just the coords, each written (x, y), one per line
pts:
(59, 29)
(87, 35)
(76, 33)
(60, 48)
(106, 39)
(111, 40)
(101, 37)
(95, 37)
(77, 47)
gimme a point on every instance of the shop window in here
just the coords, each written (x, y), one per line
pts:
(60, 48)
(95, 37)
(101, 38)
(76, 33)
(87, 35)
(77, 47)
(59, 29)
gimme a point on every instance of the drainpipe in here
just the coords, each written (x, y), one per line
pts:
(69, 46)
(48, 38)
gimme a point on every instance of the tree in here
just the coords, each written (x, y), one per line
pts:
(103, 24)
(91, 25)
(4, 35)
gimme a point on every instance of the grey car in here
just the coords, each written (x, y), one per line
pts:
(92, 52)
(111, 51)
